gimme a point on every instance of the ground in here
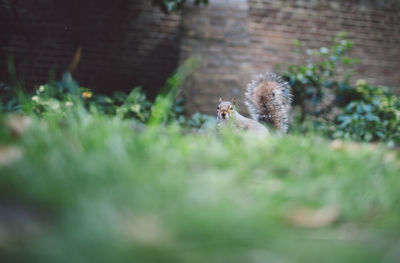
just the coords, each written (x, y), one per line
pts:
(90, 188)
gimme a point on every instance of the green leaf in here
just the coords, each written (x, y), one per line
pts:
(164, 101)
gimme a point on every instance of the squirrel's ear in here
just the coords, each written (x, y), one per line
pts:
(219, 101)
(233, 101)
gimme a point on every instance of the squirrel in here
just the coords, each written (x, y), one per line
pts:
(268, 100)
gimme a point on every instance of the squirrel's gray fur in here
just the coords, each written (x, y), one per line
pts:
(272, 104)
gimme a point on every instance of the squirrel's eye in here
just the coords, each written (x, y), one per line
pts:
(218, 108)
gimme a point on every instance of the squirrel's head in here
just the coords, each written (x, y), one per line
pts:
(225, 109)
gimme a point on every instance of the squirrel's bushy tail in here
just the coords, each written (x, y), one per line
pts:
(268, 99)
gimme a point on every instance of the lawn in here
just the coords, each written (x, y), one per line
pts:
(84, 187)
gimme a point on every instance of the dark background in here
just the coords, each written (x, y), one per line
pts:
(124, 43)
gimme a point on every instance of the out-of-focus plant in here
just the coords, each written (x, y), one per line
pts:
(168, 6)
(202, 121)
(162, 109)
(8, 100)
(135, 105)
(319, 75)
(359, 112)
(372, 114)
(12, 95)
(56, 97)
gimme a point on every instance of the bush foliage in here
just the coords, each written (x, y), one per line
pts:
(59, 97)
(320, 75)
(326, 97)
(372, 114)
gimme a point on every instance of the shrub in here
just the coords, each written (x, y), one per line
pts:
(56, 97)
(332, 105)
(372, 113)
(8, 100)
(320, 74)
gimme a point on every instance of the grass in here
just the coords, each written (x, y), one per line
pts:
(90, 188)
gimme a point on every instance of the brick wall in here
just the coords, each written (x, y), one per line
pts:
(124, 43)
(374, 28)
(266, 38)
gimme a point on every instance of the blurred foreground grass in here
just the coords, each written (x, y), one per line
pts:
(91, 188)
